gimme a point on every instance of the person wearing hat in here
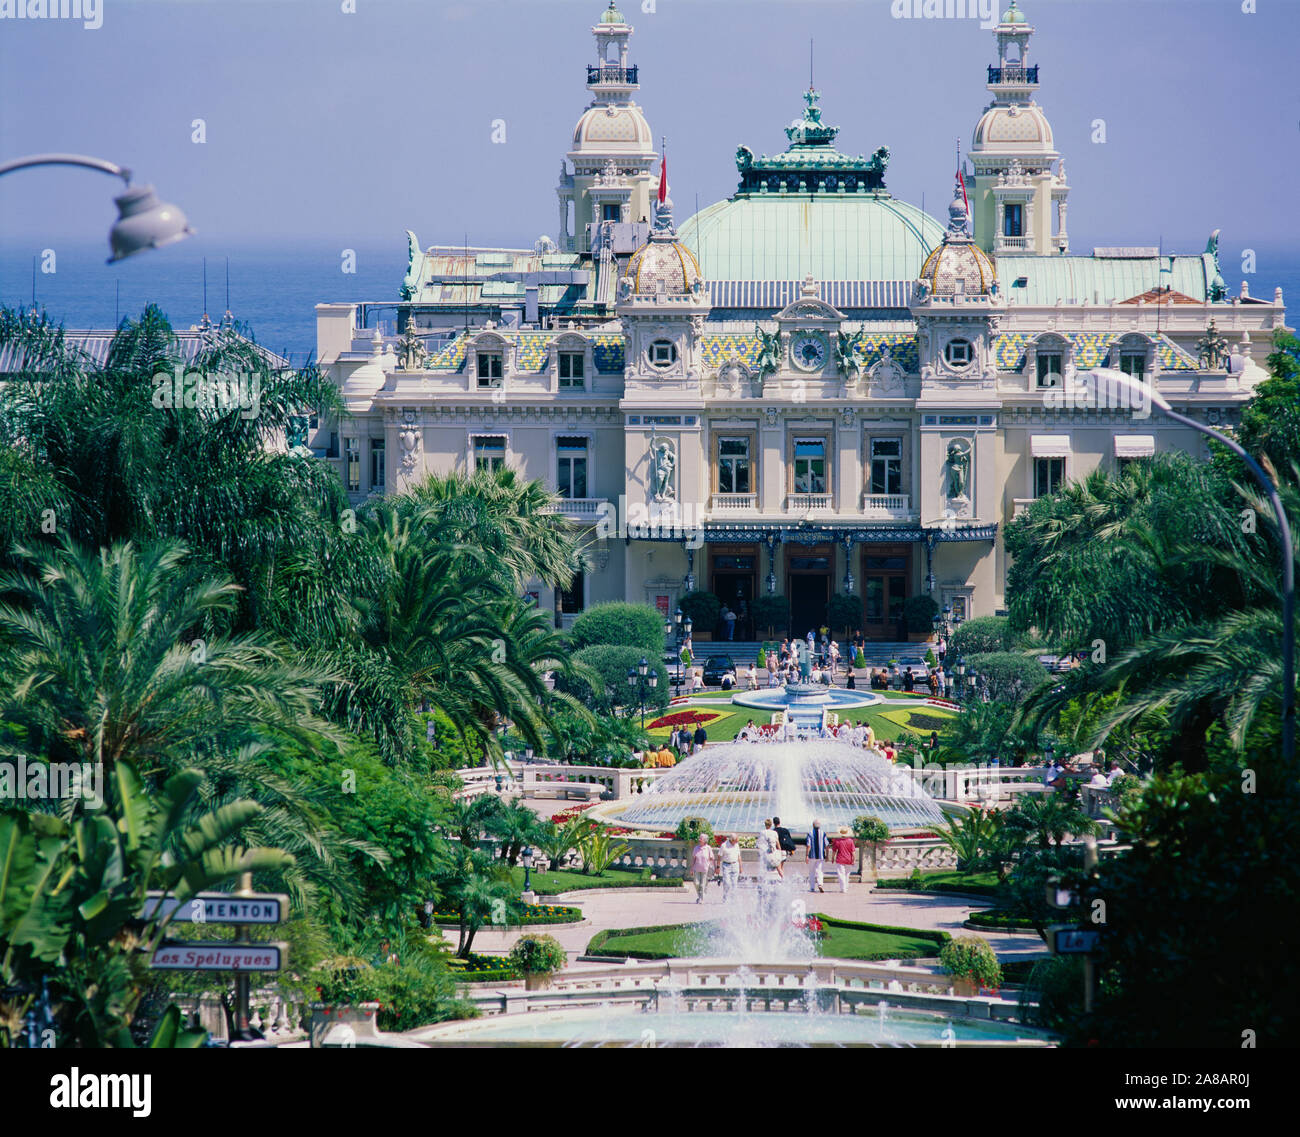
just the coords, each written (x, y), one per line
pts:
(843, 849)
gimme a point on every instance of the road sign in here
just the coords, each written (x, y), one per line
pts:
(220, 908)
(214, 956)
(1066, 940)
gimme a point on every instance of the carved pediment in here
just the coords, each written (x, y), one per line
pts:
(807, 309)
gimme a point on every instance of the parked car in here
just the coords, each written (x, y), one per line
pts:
(719, 671)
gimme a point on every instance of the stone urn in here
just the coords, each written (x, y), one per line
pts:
(537, 980)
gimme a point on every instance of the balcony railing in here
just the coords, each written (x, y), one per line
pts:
(1010, 244)
(734, 502)
(1020, 504)
(886, 504)
(579, 508)
(1013, 73)
(611, 73)
(806, 502)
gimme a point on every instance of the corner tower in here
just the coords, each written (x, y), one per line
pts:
(1018, 192)
(613, 148)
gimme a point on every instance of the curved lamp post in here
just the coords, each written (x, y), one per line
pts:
(143, 222)
(1108, 375)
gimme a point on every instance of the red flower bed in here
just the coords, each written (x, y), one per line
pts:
(682, 718)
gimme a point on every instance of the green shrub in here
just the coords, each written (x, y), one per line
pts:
(919, 611)
(931, 660)
(771, 613)
(537, 954)
(703, 608)
(620, 623)
(844, 610)
(612, 663)
(690, 828)
(970, 957)
(859, 659)
(982, 634)
(410, 994)
(1007, 675)
(999, 918)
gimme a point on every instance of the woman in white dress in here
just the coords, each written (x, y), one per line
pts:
(769, 853)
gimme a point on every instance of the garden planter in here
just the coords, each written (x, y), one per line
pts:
(537, 981)
(965, 988)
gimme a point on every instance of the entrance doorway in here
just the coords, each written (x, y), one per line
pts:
(886, 577)
(733, 573)
(808, 573)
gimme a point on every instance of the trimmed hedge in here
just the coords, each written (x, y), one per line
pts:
(998, 919)
(621, 623)
(598, 941)
(907, 884)
(541, 914)
(939, 938)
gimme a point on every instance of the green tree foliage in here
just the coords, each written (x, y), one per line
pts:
(771, 613)
(72, 893)
(919, 611)
(1007, 676)
(631, 625)
(609, 665)
(844, 611)
(1199, 916)
(703, 608)
(981, 635)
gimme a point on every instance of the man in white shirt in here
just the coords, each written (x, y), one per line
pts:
(751, 675)
(1115, 773)
(729, 856)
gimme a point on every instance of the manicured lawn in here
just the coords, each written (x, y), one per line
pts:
(838, 941)
(566, 880)
(888, 723)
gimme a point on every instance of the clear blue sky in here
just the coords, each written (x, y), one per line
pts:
(344, 129)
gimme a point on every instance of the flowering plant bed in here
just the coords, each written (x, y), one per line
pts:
(482, 969)
(683, 718)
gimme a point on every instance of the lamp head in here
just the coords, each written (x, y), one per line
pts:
(144, 222)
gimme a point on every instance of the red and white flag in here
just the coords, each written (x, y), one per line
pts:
(962, 182)
(663, 177)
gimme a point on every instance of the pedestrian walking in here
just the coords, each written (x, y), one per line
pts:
(842, 846)
(769, 852)
(701, 866)
(729, 858)
(817, 849)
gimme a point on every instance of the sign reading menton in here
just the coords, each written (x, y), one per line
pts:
(219, 908)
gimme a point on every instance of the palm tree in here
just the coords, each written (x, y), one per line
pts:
(107, 659)
(480, 891)
(1049, 818)
(514, 825)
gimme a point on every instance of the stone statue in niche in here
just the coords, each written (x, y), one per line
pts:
(769, 352)
(663, 460)
(959, 452)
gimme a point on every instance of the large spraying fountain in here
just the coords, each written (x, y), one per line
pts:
(738, 785)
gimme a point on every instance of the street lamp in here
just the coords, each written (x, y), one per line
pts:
(143, 222)
(637, 681)
(526, 857)
(1144, 391)
(961, 677)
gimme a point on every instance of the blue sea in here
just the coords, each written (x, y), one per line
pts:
(275, 290)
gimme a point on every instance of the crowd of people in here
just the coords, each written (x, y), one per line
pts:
(775, 847)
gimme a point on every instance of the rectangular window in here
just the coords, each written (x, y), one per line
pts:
(376, 463)
(1049, 369)
(352, 463)
(733, 465)
(489, 369)
(887, 465)
(662, 353)
(1133, 363)
(1049, 475)
(573, 598)
(809, 465)
(333, 450)
(571, 369)
(1013, 220)
(571, 467)
(610, 211)
(489, 453)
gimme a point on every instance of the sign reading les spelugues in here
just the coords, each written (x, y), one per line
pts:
(215, 956)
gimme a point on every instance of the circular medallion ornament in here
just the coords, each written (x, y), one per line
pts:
(808, 351)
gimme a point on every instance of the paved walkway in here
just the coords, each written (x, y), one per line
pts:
(627, 908)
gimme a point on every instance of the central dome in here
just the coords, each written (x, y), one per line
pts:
(864, 236)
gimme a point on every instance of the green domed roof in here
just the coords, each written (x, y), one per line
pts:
(612, 15)
(1014, 15)
(863, 236)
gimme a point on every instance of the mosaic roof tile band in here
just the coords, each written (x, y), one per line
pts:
(607, 352)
